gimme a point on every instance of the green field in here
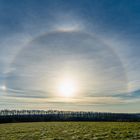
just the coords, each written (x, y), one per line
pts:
(70, 131)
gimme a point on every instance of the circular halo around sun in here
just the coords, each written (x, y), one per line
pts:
(68, 64)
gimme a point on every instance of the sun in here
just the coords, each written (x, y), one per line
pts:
(67, 88)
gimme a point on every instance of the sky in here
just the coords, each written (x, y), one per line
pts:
(70, 55)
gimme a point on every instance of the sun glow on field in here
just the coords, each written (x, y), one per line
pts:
(67, 88)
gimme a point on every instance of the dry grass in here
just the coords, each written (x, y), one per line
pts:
(70, 131)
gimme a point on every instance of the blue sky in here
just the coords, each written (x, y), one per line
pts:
(93, 43)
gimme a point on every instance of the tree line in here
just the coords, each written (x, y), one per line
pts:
(7, 116)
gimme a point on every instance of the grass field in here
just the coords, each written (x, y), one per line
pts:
(70, 131)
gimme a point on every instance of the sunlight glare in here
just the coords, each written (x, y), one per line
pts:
(67, 88)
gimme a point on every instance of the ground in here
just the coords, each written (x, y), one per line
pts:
(70, 131)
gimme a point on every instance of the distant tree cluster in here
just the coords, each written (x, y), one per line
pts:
(7, 116)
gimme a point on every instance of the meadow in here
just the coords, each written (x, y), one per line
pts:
(70, 131)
